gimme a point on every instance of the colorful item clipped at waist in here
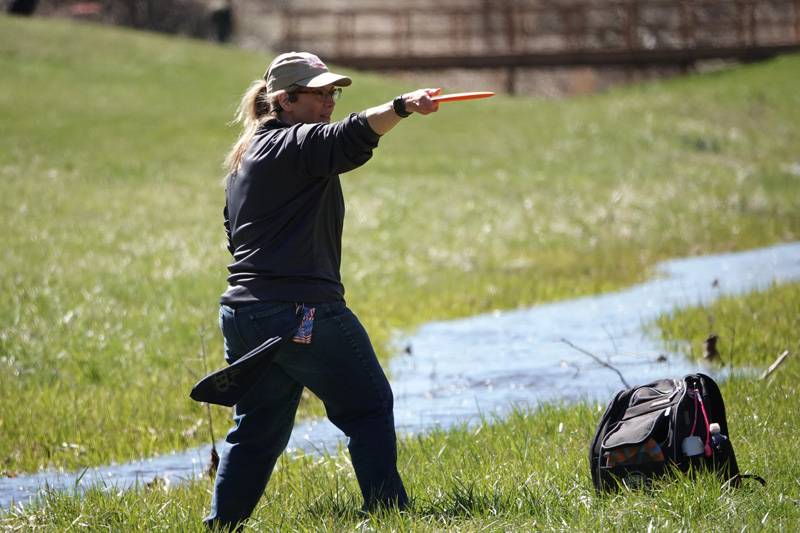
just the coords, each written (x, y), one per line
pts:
(306, 329)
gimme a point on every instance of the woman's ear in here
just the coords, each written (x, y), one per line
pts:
(286, 100)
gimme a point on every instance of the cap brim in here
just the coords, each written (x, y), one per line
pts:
(326, 78)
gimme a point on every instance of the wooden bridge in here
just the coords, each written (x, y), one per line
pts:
(545, 33)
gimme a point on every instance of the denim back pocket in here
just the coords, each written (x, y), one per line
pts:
(272, 319)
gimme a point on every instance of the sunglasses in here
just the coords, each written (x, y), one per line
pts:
(334, 93)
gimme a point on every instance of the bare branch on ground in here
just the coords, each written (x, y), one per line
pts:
(774, 366)
(603, 363)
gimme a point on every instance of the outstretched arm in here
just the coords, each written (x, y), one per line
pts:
(382, 118)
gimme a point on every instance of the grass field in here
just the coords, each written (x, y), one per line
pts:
(528, 472)
(114, 258)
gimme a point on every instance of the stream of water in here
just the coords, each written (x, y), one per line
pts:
(457, 371)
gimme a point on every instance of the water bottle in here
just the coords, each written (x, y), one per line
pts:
(719, 442)
(724, 460)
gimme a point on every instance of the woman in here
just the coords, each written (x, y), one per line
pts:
(284, 213)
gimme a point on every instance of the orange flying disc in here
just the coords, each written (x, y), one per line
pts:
(457, 97)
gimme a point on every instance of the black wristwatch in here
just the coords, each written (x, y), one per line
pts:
(399, 106)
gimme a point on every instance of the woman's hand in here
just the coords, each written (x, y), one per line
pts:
(420, 101)
(382, 118)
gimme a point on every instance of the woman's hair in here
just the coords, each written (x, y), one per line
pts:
(256, 108)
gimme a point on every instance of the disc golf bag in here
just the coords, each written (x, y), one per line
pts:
(650, 430)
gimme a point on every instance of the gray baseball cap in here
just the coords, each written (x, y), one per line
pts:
(303, 69)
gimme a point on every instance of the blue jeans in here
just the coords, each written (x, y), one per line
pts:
(340, 367)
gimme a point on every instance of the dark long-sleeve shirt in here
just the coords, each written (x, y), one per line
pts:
(284, 211)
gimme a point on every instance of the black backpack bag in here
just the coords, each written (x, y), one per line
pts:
(649, 430)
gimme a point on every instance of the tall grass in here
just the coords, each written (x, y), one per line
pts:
(113, 247)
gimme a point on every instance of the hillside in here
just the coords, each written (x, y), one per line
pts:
(113, 244)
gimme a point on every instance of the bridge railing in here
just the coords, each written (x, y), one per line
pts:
(516, 27)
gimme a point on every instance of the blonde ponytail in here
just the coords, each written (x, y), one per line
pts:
(257, 107)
